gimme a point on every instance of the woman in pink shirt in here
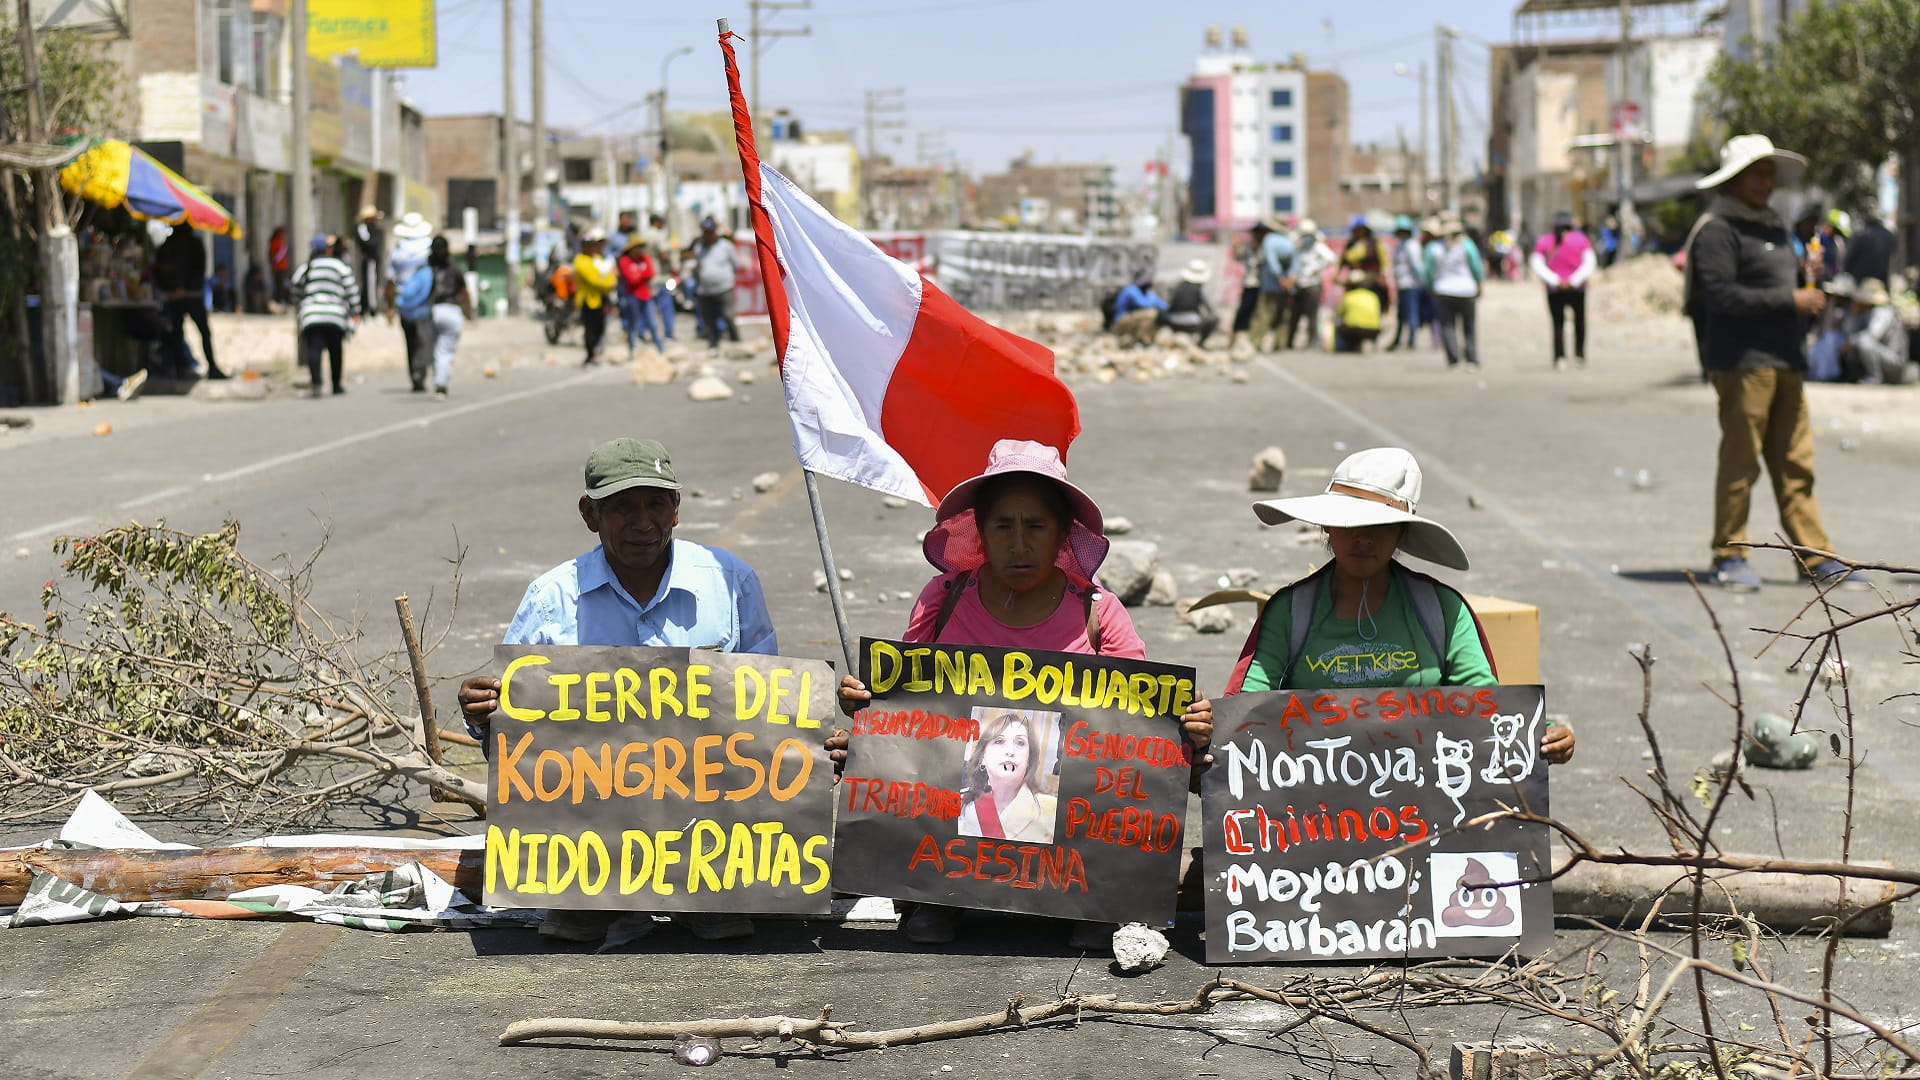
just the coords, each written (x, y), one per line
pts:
(1017, 548)
(1563, 261)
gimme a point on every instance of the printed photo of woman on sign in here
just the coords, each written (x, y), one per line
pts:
(1012, 776)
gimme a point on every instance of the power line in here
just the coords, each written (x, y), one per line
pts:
(919, 9)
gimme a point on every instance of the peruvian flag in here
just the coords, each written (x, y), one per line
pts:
(890, 384)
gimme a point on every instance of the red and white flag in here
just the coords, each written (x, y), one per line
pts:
(890, 383)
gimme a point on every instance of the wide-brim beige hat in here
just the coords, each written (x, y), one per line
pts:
(1873, 292)
(1196, 272)
(1373, 487)
(1742, 151)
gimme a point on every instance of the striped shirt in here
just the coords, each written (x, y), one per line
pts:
(327, 291)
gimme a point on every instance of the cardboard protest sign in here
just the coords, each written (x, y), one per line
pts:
(1035, 782)
(659, 780)
(1309, 791)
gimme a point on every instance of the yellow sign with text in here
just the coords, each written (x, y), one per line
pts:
(378, 33)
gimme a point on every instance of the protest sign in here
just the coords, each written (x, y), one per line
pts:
(1311, 795)
(659, 780)
(1035, 782)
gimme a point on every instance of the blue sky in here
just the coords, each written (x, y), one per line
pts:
(1075, 80)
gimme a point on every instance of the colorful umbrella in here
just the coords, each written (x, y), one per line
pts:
(114, 173)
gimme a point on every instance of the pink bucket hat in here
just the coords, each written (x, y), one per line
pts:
(954, 541)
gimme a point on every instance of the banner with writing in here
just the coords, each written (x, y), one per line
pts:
(660, 780)
(1035, 782)
(1338, 824)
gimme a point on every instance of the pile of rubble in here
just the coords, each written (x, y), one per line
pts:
(1081, 348)
(1643, 287)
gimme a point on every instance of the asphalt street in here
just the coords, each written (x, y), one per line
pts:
(1585, 492)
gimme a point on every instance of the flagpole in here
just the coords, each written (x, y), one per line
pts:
(833, 576)
(776, 304)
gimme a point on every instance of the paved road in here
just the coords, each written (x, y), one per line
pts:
(1535, 471)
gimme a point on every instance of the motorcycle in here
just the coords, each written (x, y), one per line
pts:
(557, 315)
(556, 303)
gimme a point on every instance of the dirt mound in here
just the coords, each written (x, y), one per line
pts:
(1642, 287)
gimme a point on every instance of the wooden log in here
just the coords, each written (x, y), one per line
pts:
(1784, 903)
(215, 873)
(1621, 894)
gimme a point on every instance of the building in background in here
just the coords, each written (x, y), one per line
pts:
(465, 162)
(207, 87)
(1758, 19)
(1556, 111)
(1250, 135)
(1065, 198)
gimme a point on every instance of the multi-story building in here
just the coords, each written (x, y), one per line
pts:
(1249, 132)
(209, 84)
(1063, 198)
(465, 160)
(1553, 133)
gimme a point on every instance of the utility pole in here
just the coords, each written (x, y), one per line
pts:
(300, 229)
(1443, 44)
(613, 186)
(1426, 160)
(1622, 145)
(759, 38)
(888, 102)
(669, 212)
(510, 159)
(542, 191)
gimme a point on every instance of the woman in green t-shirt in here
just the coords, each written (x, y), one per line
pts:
(1364, 620)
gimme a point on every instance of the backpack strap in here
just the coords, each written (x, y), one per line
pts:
(1424, 592)
(955, 587)
(1301, 601)
(1245, 663)
(1426, 611)
(1093, 619)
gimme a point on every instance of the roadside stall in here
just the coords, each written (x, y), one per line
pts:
(116, 291)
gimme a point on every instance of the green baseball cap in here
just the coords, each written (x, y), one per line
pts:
(615, 466)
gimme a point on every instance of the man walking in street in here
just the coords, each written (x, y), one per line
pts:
(1752, 303)
(1276, 274)
(1563, 260)
(1407, 284)
(180, 275)
(409, 296)
(661, 245)
(594, 279)
(639, 587)
(1310, 265)
(715, 270)
(368, 244)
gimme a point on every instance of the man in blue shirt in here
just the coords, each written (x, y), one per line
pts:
(1136, 311)
(1276, 282)
(639, 587)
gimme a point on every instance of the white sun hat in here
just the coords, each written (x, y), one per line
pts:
(413, 226)
(1743, 150)
(1373, 487)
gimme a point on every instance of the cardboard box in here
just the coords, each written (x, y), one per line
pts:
(1513, 632)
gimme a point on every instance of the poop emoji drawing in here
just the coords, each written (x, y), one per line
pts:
(1475, 902)
(1474, 895)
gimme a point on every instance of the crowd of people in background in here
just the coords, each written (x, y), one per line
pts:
(641, 276)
